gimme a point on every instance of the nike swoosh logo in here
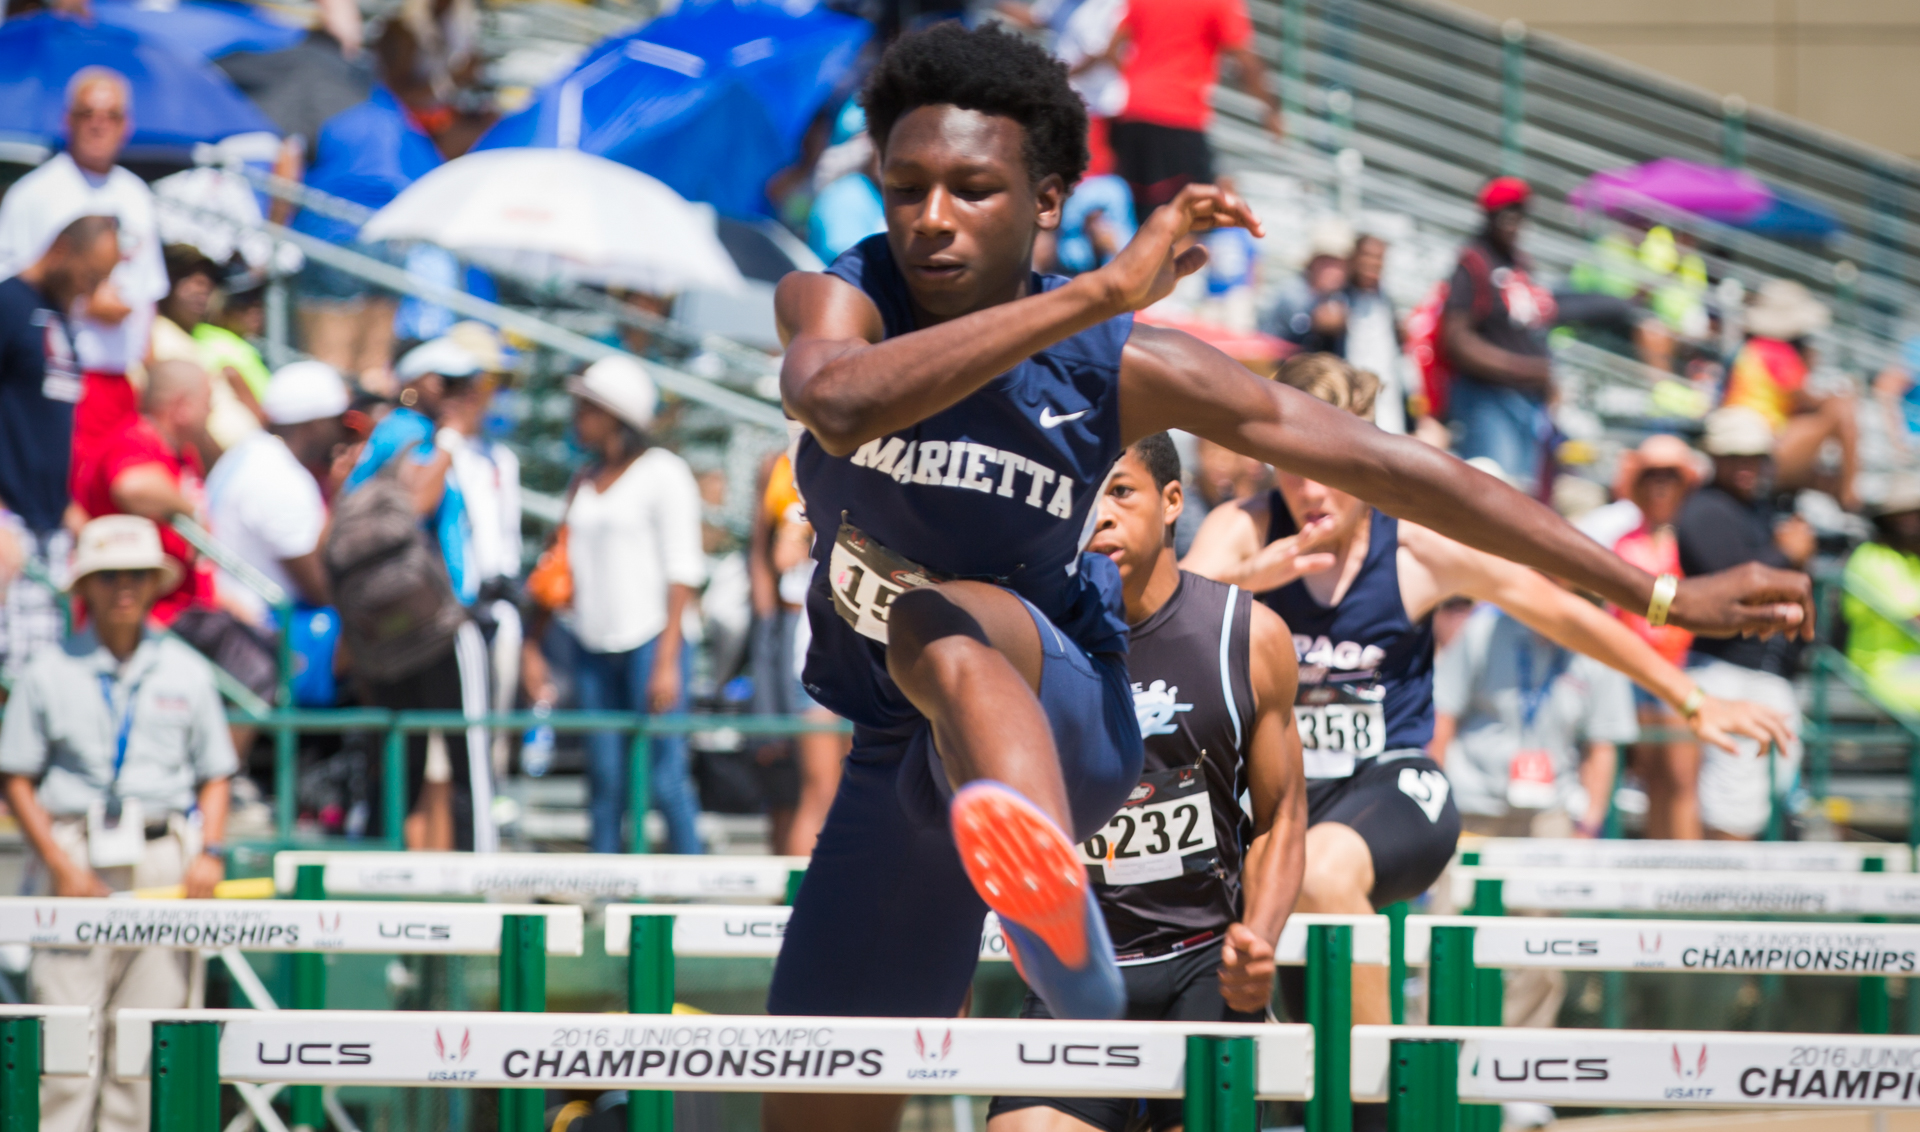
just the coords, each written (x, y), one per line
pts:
(1049, 420)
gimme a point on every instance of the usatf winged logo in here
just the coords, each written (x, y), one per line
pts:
(45, 917)
(447, 1051)
(929, 1053)
(1649, 949)
(325, 927)
(1689, 1068)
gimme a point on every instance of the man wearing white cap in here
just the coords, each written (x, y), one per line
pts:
(1728, 523)
(264, 498)
(632, 530)
(115, 760)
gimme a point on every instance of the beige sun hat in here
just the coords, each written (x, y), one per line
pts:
(1738, 431)
(621, 386)
(1785, 310)
(1903, 494)
(123, 542)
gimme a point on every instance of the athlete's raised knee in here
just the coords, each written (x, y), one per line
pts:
(923, 616)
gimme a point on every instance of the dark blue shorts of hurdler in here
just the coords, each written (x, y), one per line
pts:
(886, 923)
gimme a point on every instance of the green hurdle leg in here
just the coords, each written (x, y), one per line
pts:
(19, 1075)
(393, 788)
(1220, 1085)
(1876, 1009)
(523, 989)
(1460, 994)
(309, 993)
(640, 786)
(1330, 1012)
(1423, 1086)
(650, 991)
(1397, 962)
(186, 1077)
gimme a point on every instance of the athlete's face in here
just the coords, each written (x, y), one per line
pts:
(1134, 514)
(961, 209)
(1334, 515)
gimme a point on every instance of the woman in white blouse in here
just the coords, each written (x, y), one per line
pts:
(633, 549)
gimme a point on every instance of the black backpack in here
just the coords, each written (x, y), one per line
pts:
(397, 609)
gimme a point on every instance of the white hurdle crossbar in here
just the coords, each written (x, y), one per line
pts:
(1658, 1068)
(1742, 947)
(603, 876)
(1705, 892)
(66, 1037)
(1761, 856)
(377, 927)
(717, 1053)
(756, 932)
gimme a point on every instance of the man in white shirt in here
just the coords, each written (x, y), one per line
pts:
(111, 325)
(264, 499)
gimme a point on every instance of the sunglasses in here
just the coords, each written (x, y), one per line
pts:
(85, 114)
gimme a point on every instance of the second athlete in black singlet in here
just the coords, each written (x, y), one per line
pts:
(1186, 877)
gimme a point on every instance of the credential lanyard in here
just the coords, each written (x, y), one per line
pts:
(1532, 698)
(124, 732)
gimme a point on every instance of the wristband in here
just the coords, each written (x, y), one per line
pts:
(215, 850)
(449, 440)
(1690, 707)
(1664, 589)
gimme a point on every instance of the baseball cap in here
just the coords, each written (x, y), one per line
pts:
(304, 391)
(619, 385)
(443, 356)
(122, 542)
(1504, 192)
(1738, 431)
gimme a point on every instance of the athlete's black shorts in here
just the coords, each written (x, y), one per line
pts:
(1402, 806)
(1158, 161)
(1184, 988)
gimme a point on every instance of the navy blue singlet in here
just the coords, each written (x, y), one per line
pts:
(1366, 639)
(999, 488)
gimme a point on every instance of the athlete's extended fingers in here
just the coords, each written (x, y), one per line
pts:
(1751, 599)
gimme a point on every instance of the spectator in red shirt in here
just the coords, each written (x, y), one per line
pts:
(150, 467)
(1172, 51)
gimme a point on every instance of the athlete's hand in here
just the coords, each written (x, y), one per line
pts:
(1286, 559)
(1246, 969)
(1748, 600)
(1147, 268)
(1718, 721)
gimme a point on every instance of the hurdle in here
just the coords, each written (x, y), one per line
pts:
(1221, 1070)
(1778, 856)
(652, 935)
(1434, 1077)
(593, 876)
(522, 935)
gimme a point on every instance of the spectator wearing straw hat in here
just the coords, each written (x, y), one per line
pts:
(1769, 376)
(633, 561)
(1656, 479)
(115, 760)
(1725, 524)
(1493, 332)
(1882, 584)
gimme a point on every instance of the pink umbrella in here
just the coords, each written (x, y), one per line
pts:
(1731, 196)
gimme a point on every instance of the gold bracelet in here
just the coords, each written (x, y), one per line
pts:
(1691, 706)
(1664, 588)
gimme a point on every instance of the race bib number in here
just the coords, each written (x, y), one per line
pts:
(866, 577)
(1165, 829)
(1340, 724)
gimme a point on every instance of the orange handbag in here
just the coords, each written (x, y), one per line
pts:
(551, 583)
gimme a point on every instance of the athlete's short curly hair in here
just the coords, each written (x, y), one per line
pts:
(988, 70)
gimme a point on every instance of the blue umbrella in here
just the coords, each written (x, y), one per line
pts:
(712, 99)
(1792, 217)
(204, 29)
(177, 101)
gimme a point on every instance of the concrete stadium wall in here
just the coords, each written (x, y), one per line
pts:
(1851, 66)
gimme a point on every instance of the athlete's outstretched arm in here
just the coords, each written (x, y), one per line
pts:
(848, 386)
(1277, 790)
(1575, 623)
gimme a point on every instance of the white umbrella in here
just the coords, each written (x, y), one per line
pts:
(549, 213)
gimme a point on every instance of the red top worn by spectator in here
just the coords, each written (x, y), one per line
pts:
(1176, 46)
(134, 443)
